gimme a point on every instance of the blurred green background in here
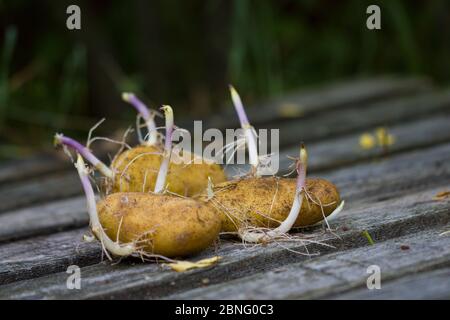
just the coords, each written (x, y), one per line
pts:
(185, 53)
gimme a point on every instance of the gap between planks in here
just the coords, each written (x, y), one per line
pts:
(395, 174)
(324, 98)
(383, 220)
(330, 276)
(433, 284)
(320, 99)
(352, 182)
(40, 190)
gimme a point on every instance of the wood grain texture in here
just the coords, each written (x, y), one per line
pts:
(39, 190)
(317, 100)
(434, 284)
(42, 219)
(385, 220)
(337, 95)
(346, 150)
(330, 275)
(392, 177)
(415, 135)
(38, 165)
(385, 113)
(360, 185)
(43, 255)
(388, 194)
(335, 152)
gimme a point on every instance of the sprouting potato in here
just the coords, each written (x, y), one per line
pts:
(135, 170)
(270, 206)
(159, 224)
(154, 223)
(141, 218)
(266, 202)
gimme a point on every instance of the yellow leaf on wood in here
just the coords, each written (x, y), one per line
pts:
(442, 196)
(381, 138)
(366, 141)
(290, 110)
(181, 266)
(384, 138)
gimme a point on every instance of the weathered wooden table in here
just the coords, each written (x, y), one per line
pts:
(389, 193)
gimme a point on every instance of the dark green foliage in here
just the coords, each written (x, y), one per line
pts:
(186, 52)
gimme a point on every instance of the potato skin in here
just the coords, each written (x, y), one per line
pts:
(166, 225)
(182, 179)
(261, 202)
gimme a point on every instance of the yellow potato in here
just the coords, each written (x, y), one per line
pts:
(266, 202)
(162, 224)
(136, 171)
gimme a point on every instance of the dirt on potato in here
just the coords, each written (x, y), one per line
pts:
(160, 224)
(266, 202)
(136, 170)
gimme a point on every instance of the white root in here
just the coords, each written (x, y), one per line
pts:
(263, 236)
(110, 246)
(164, 168)
(91, 131)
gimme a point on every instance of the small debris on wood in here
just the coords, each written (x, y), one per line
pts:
(404, 247)
(381, 138)
(384, 138)
(181, 266)
(87, 238)
(442, 196)
(366, 141)
(290, 110)
(366, 234)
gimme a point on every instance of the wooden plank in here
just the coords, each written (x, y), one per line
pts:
(329, 276)
(316, 100)
(335, 152)
(383, 220)
(332, 139)
(337, 122)
(433, 284)
(20, 194)
(38, 190)
(360, 184)
(42, 255)
(337, 96)
(38, 165)
(43, 219)
(64, 223)
(50, 162)
(342, 94)
(391, 177)
(323, 155)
